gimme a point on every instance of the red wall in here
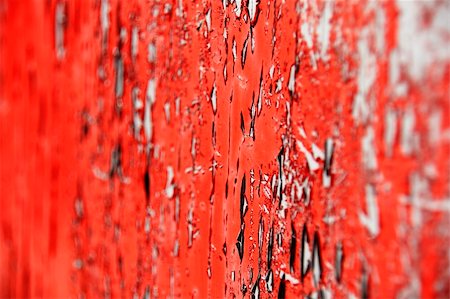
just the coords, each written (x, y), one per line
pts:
(213, 149)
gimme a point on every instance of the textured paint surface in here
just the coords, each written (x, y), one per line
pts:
(222, 149)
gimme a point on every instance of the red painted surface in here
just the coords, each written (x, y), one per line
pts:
(136, 189)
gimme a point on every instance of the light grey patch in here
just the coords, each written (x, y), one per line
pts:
(288, 113)
(177, 106)
(418, 190)
(167, 111)
(291, 83)
(430, 42)
(324, 28)
(194, 143)
(214, 98)
(118, 63)
(177, 209)
(380, 33)
(208, 271)
(244, 51)
(325, 293)
(338, 261)
(137, 106)
(225, 75)
(279, 85)
(79, 210)
(271, 71)
(371, 220)
(390, 130)
(60, 24)
(316, 262)
(149, 101)
(434, 127)
(312, 163)
(234, 50)
(366, 77)
(326, 175)
(307, 191)
(167, 8)
(269, 281)
(179, 11)
(104, 22)
(407, 137)
(225, 4)
(317, 152)
(238, 8)
(255, 289)
(151, 52)
(146, 293)
(147, 225)
(190, 226)
(259, 104)
(170, 187)
(78, 264)
(253, 40)
(369, 157)
(99, 174)
(208, 20)
(260, 233)
(134, 42)
(306, 253)
(252, 9)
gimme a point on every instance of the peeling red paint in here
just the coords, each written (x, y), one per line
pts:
(224, 149)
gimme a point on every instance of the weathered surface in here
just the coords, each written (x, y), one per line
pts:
(224, 148)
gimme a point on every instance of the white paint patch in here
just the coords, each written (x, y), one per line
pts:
(390, 130)
(407, 137)
(380, 25)
(312, 164)
(170, 187)
(151, 53)
(371, 220)
(289, 278)
(324, 28)
(252, 8)
(307, 256)
(234, 50)
(421, 47)
(238, 8)
(149, 101)
(214, 98)
(316, 271)
(369, 157)
(167, 111)
(291, 83)
(225, 75)
(434, 127)
(271, 71)
(329, 149)
(306, 32)
(317, 152)
(60, 21)
(179, 11)
(194, 142)
(134, 42)
(208, 20)
(366, 77)
(104, 18)
(137, 106)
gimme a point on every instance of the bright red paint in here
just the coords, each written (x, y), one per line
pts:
(75, 222)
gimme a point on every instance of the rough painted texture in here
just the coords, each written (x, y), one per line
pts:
(224, 149)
